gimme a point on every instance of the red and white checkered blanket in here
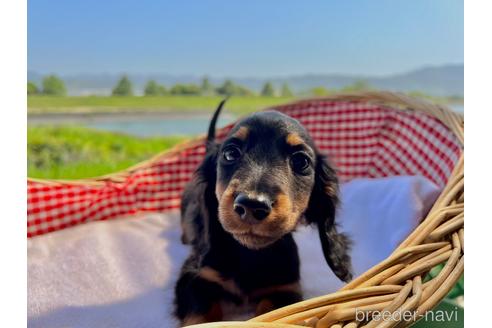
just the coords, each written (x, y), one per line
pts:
(363, 140)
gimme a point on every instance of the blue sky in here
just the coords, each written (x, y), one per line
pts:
(254, 38)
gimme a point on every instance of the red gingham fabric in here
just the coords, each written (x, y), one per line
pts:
(362, 140)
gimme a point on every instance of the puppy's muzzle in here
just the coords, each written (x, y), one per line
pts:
(252, 210)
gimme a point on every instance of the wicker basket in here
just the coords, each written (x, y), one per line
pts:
(395, 284)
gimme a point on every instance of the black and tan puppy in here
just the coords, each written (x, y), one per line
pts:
(238, 213)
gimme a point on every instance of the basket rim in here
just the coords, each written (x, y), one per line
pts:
(392, 100)
(439, 238)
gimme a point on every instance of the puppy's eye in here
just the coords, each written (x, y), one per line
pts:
(299, 162)
(231, 154)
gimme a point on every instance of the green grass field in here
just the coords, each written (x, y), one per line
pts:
(70, 152)
(94, 104)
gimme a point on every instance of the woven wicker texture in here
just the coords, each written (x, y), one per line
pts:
(372, 134)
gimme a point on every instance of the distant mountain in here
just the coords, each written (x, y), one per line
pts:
(441, 81)
(444, 80)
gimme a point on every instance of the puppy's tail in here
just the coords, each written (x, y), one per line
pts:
(211, 127)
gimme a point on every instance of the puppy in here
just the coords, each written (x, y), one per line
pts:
(239, 211)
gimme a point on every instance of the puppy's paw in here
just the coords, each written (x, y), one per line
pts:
(264, 306)
(214, 314)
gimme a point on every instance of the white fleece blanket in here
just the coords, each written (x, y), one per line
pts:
(121, 273)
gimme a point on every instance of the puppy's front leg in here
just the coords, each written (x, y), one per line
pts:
(197, 299)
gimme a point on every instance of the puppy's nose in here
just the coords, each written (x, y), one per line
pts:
(257, 208)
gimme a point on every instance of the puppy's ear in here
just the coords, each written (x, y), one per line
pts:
(321, 211)
(199, 202)
(206, 174)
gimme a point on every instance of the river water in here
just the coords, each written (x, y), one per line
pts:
(146, 125)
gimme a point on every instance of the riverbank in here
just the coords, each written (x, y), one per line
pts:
(185, 105)
(112, 116)
(163, 104)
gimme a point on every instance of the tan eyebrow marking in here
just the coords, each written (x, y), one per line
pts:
(294, 139)
(242, 133)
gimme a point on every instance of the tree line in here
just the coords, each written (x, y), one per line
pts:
(124, 87)
(54, 86)
(51, 85)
